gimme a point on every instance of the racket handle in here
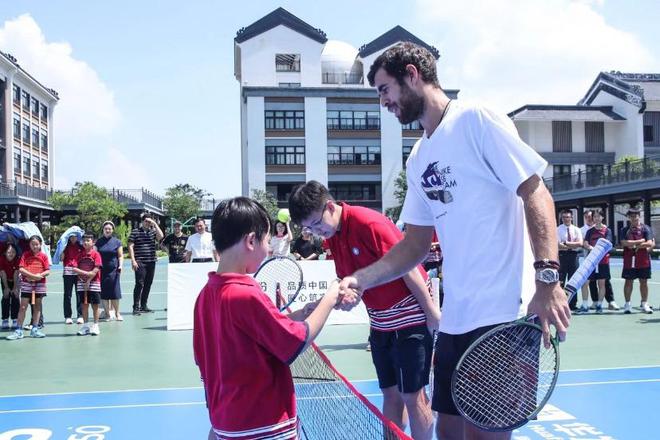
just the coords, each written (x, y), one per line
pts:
(33, 298)
(590, 263)
(85, 298)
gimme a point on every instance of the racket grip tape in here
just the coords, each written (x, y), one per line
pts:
(590, 263)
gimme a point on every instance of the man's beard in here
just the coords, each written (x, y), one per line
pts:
(411, 105)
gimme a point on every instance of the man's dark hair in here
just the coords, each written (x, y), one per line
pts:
(234, 218)
(198, 219)
(306, 199)
(144, 216)
(567, 211)
(395, 59)
(588, 211)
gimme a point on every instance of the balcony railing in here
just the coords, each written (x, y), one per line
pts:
(342, 78)
(17, 189)
(131, 196)
(623, 172)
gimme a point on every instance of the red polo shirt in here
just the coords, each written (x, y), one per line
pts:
(594, 234)
(363, 238)
(243, 346)
(70, 257)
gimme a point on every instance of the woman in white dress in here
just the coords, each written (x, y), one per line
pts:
(280, 243)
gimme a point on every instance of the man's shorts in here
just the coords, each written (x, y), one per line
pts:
(603, 273)
(28, 295)
(449, 349)
(402, 357)
(634, 274)
(92, 297)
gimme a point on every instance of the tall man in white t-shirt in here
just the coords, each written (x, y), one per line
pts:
(469, 172)
(199, 247)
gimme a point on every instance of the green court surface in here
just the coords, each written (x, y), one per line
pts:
(140, 353)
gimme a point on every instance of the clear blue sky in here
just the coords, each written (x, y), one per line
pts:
(168, 66)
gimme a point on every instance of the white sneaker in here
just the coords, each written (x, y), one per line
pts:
(120, 318)
(95, 331)
(111, 316)
(627, 308)
(68, 321)
(80, 321)
(646, 308)
(27, 327)
(84, 330)
(103, 315)
(613, 306)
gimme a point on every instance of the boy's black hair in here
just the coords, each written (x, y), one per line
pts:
(306, 199)
(395, 59)
(88, 235)
(36, 237)
(234, 218)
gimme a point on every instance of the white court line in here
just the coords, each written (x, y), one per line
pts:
(607, 382)
(613, 368)
(88, 408)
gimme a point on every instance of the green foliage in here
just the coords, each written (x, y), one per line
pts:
(400, 189)
(183, 201)
(93, 206)
(267, 200)
(122, 231)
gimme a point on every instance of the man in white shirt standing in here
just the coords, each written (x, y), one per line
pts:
(470, 173)
(199, 248)
(570, 243)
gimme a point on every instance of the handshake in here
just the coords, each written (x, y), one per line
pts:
(345, 292)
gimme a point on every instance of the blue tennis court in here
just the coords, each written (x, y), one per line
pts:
(617, 403)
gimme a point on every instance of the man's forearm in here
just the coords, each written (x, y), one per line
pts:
(540, 215)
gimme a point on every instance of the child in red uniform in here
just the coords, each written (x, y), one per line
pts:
(242, 343)
(401, 313)
(91, 281)
(27, 279)
(69, 257)
(10, 286)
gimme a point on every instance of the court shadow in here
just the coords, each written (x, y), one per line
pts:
(336, 347)
(160, 327)
(649, 321)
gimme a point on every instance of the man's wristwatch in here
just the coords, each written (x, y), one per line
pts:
(547, 275)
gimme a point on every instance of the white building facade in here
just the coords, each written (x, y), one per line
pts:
(308, 113)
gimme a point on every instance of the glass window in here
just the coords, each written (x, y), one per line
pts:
(35, 137)
(285, 155)
(35, 168)
(648, 133)
(35, 107)
(594, 136)
(354, 191)
(44, 112)
(287, 62)
(406, 153)
(562, 138)
(17, 94)
(44, 171)
(26, 100)
(345, 120)
(44, 142)
(414, 125)
(333, 120)
(17, 127)
(17, 162)
(284, 120)
(353, 120)
(373, 120)
(26, 164)
(26, 132)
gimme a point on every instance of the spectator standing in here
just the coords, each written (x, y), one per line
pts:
(199, 247)
(142, 250)
(175, 244)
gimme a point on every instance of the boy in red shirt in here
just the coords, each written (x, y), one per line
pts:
(89, 280)
(242, 344)
(401, 313)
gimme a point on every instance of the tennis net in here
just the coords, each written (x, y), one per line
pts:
(330, 407)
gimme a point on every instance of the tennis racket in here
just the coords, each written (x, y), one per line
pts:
(435, 295)
(87, 264)
(506, 376)
(281, 279)
(35, 266)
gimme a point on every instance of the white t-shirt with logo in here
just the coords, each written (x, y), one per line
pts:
(463, 180)
(201, 245)
(280, 246)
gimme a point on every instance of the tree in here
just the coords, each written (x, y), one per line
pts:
(183, 201)
(267, 200)
(400, 188)
(93, 206)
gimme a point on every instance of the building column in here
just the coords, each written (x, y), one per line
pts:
(610, 218)
(17, 214)
(316, 153)
(41, 219)
(256, 144)
(391, 153)
(647, 208)
(580, 213)
(27, 214)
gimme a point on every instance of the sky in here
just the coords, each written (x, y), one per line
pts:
(148, 97)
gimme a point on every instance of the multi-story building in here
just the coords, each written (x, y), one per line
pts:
(26, 142)
(618, 117)
(307, 112)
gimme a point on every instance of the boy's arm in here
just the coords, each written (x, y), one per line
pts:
(417, 286)
(320, 314)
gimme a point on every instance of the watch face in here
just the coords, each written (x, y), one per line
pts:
(547, 276)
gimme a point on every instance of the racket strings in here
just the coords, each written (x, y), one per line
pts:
(503, 380)
(280, 276)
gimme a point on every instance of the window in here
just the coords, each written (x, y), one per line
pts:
(352, 120)
(35, 107)
(44, 142)
(44, 112)
(35, 168)
(35, 138)
(648, 133)
(294, 155)
(562, 140)
(26, 100)
(355, 191)
(26, 164)
(17, 95)
(287, 62)
(289, 84)
(561, 177)
(414, 125)
(17, 162)
(26, 133)
(595, 174)
(44, 172)
(353, 155)
(285, 120)
(17, 128)
(594, 136)
(406, 154)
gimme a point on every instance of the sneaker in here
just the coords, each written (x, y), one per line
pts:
(95, 331)
(80, 321)
(120, 318)
(627, 309)
(613, 306)
(646, 308)
(599, 309)
(36, 333)
(593, 306)
(583, 309)
(103, 315)
(68, 321)
(5, 324)
(111, 316)
(146, 309)
(136, 311)
(27, 327)
(84, 330)
(18, 334)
